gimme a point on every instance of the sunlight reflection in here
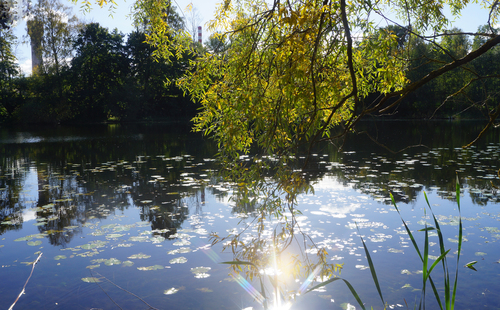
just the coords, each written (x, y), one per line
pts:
(249, 288)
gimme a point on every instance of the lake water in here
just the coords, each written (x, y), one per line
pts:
(133, 207)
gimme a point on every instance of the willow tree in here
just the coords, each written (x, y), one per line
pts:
(297, 72)
(297, 69)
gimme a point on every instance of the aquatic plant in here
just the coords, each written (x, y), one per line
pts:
(450, 288)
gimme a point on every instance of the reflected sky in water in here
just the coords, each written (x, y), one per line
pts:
(133, 208)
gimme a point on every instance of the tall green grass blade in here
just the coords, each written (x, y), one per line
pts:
(442, 250)
(460, 236)
(425, 272)
(416, 247)
(441, 257)
(372, 268)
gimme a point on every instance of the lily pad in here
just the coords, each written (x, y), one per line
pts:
(178, 260)
(34, 243)
(171, 291)
(27, 238)
(112, 261)
(205, 290)
(124, 245)
(155, 267)
(139, 256)
(127, 263)
(181, 242)
(91, 280)
(157, 239)
(392, 250)
(139, 238)
(200, 269)
(58, 257)
(114, 236)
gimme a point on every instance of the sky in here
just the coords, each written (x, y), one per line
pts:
(120, 19)
(471, 18)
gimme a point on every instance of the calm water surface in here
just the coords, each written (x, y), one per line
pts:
(133, 207)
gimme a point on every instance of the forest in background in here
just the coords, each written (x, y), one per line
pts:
(92, 74)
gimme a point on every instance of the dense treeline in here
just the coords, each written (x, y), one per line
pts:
(470, 91)
(108, 78)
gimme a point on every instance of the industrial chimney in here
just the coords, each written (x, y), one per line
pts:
(199, 34)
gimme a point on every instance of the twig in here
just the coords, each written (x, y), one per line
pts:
(96, 282)
(151, 307)
(22, 292)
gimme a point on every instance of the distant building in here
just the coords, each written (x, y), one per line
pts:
(35, 31)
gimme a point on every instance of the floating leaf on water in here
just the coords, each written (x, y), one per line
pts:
(27, 238)
(362, 267)
(171, 291)
(492, 229)
(155, 267)
(127, 263)
(181, 242)
(184, 250)
(405, 271)
(471, 265)
(114, 236)
(119, 228)
(91, 280)
(157, 239)
(40, 223)
(480, 254)
(142, 224)
(94, 245)
(201, 275)
(347, 306)
(200, 269)
(139, 256)
(205, 290)
(97, 233)
(93, 266)
(112, 261)
(178, 260)
(124, 245)
(8, 223)
(407, 286)
(108, 226)
(58, 257)
(70, 227)
(392, 250)
(34, 243)
(201, 231)
(139, 238)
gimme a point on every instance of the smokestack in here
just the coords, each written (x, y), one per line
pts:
(199, 34)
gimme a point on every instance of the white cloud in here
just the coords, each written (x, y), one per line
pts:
(25, 67)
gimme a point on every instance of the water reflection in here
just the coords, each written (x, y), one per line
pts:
(73, 188)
